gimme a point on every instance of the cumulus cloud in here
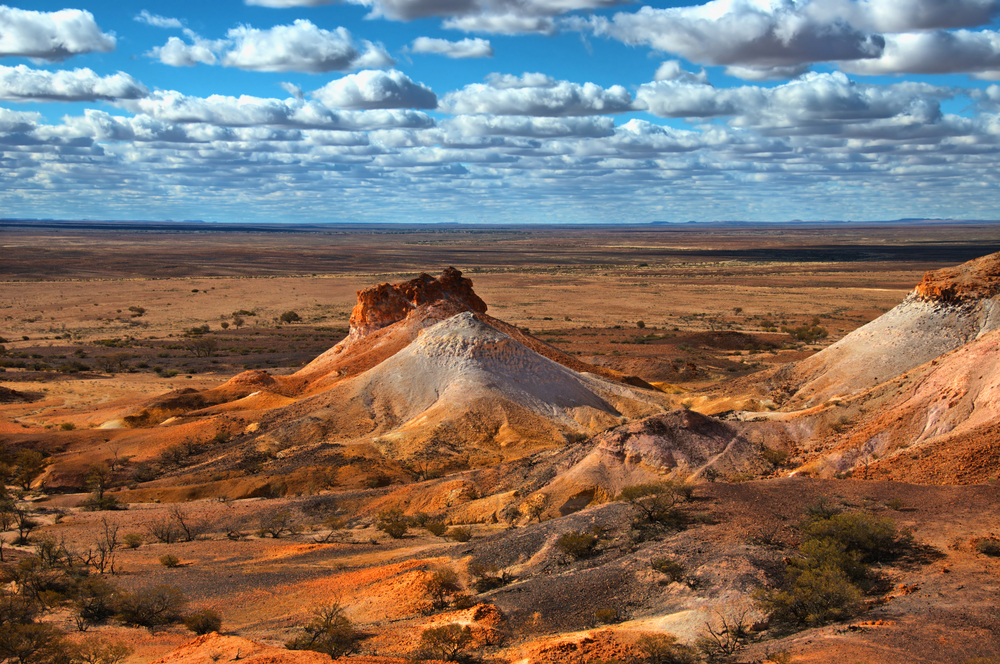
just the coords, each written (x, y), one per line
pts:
(224, 111)
(502, 24)
(903, 15)
(50, 35)
(21, 83)
(937, 52)
(18, 121)
(491, 125)
(408, 10)
(158, 21)
(813, 104)
(671, 70)
(178, 53)
(292, 89)
(536, 95)
(466, 48)
(300, 47)
(372, 89)
(745, 33)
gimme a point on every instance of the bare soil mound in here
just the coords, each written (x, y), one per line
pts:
(462, 384)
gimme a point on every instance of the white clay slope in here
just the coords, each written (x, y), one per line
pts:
(914, 332)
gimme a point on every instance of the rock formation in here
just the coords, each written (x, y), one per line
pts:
(385, 304)
(975, 280)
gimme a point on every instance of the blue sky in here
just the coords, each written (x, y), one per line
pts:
(500, 110)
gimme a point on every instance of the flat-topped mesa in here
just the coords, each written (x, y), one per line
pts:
(977, 279)
(385, 304)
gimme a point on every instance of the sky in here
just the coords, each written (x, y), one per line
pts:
(499, 111)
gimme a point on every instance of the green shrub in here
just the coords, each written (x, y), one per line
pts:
(203, 621)
(671, 568)
(815, 597)
(664, 649)
(989, 546)
(436, 528)
(460, 533)
(393, 523)
(132, 540)
(577, 544)
(170, 560)
(329, 632)
(873, 538)
(447, 642)
(152, 607)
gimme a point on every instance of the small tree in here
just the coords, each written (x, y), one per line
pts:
(30, 464)
(448, 641)
(101, 650)
(577, 545)
(290, 317)
(441, 585)
(95, 602)
(203, 621)
(329, 632)
(152, 607)
(393, 523)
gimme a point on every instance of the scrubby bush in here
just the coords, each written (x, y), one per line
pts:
(203, 621)
(441, 585)
(100, 650)
(447, 642)
(989, 546)
(826, 581)
(664, 649)
(152, 607)
(393, 523)
(329, 632)
(290, 317)
(577, 544)
(460, 533)
(170, 560)
(436, 528)
(672, 569)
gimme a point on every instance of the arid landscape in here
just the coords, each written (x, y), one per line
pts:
(643, 444)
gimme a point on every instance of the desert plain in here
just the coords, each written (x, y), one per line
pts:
(266, 426)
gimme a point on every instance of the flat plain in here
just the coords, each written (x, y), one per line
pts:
(97, 317)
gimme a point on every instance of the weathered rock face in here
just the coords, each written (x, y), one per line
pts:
(385, 304)
(973, 280)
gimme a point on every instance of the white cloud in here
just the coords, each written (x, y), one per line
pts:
(18, 121)
(408, 10)
(466, 48)
(537, 95)
(21, 83)
(490, 125)
(767, 73)
(903, 15)
(158, 21)
(223, 111)
(300, 47)
(292, 89)
(510, 23)
(816, 103)
(177, 53)
(938, 52)
(372, 89)
(671, 70)
(50, 35)
(741, 32)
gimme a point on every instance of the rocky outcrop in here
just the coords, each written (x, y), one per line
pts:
(385, 304)
(973, 280)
